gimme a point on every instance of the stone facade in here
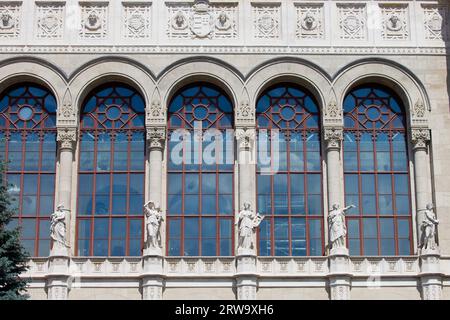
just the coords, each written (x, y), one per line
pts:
(243, 46)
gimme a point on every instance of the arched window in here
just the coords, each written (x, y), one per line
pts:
(377, 173)
(28, 142)
(111, 172)
(200, 190)
(289, 186)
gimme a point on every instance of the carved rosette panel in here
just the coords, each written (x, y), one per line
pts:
(352, 21)
(310, 21)
(50, 20)
(202, 21)
(156, 137)
(136, 21)
(67, 137)
(10, 20)
(94, 21)
(245, 138)
(245, 113)
(435, 22)
(266, 21)
(420, 138)
(340, 292)
(246, 293)
(395, 22)
(152, 293)
(333, 137)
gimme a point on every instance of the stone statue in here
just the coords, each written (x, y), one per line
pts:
(58, 227)
(429, 225)
(336, 223)
(153, 225)
(247, 222)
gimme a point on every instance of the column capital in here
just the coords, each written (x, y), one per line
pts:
(420, 137)
(67, 137)
(245, 137)
(156, 137)
(333, 137)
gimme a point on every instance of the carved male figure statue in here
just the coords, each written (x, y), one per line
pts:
(429, 225)
(58, 227)
(336, 222)
(153, 224)
(247, 221)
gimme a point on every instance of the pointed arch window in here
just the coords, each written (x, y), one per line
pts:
(28, 145)
(376, 170)
(111, 173)
(289, 187)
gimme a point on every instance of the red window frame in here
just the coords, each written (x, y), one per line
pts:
(186, 115)
(40, 123)
(98, 123)
(272, 118)
(386, 125)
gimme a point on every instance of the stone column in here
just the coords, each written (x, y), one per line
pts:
(430, 275)
(152, 277)
(58, 276)
(246, 279)
(333, 137)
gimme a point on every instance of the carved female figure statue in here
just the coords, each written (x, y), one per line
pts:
(338, 230)
(153, 223)
(58, 226)
(247, 221)
(429, 225)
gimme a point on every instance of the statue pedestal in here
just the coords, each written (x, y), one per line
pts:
(152, 276)
(430, 274)
(246, 276)
(58, 274)
(340, 275)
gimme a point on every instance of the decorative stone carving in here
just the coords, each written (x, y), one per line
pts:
(67, 114)
(10, 20)
(333, 137)
(156, 112)
(353, 21)
(432, 292)
(420, 138)
(266, 21)
(340, 292)
(50, 20)
(435, 22)
(419, 109)
(245, 138)
(247, 222)
(337, 227)
(395, 22)
(152, 293)
(153, 221)
(246, 293)
(202, 20)
(94, 21)
(67, 137)
(136, 23)
(310, 21)
(428, 229)
(245, 113)
(58, 229)
(156, 137)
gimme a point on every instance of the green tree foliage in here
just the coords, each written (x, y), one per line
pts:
(13, 257)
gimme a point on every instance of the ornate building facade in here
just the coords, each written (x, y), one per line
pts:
(97, 98)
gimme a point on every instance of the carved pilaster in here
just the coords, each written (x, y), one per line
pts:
(67, 137)
(420, 138)
(333, 137)
(156, 137)
(245, 138)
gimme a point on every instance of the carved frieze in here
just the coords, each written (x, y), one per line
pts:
(310, 21)
(94, 20)
(435, 22)
(352, 21)
(50, 20)
(395, 25)
(266, 21)
(202, 20)
(10, 19)
(136, 20)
